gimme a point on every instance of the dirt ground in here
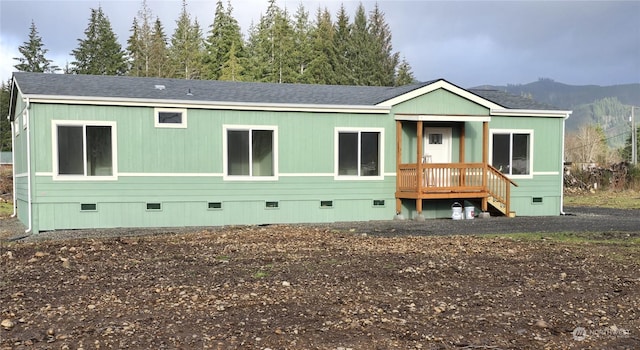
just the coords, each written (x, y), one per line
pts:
(377, 285)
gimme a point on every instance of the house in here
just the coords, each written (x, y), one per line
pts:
(108, 151)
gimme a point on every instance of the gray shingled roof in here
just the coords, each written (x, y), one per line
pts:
(204, 90)
(102, 86)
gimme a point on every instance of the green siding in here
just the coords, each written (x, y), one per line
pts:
(440, 102)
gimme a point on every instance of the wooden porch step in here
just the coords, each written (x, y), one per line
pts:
(499, 205)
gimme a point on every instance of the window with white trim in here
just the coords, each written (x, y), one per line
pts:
(250, 152)
(511, 151)
(170, 118)
(358, 153)
(84, 150)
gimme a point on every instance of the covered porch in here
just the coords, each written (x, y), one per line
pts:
(428, 180)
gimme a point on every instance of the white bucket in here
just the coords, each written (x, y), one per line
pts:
(456, 211)
(469, 212)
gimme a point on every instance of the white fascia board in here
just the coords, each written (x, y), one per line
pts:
(248, 106)
(530, 113)
(440, 84)
(443, 118)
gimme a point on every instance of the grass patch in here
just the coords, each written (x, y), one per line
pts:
(607, 199)
(622, 238)
(260, 274)
(6, 209)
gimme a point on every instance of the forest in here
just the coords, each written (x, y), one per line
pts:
(281, 47)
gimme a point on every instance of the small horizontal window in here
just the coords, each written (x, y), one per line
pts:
(170, 118)
(378, 202)
(271, 205)
(214, 205)
(88, 207)
(326, 204)
(154, 206)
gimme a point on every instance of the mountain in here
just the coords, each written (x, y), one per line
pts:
(607, 106)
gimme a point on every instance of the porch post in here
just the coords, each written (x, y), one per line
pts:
(419, 154)
(485, 162)
(461, 155)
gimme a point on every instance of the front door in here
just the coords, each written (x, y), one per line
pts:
(437, 145)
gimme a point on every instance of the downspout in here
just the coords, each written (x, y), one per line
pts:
(562, 168)
(13, 166)
(28, 131)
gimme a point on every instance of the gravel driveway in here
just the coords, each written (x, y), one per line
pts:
(577, 219)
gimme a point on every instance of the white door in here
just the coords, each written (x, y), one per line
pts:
(437, 149)
(437, 145)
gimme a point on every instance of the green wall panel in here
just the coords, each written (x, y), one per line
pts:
(440, 102)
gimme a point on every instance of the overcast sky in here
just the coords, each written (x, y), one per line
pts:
(469, 43)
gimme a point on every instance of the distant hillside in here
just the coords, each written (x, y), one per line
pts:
(608, 106)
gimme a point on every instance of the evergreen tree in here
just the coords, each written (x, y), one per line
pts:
(5, 126)
(404, 75)
(33, 54)
(225, 33)
(186, 47)
(343, 74)
(321, 69)
(302, 54)
(232, 68)
(159, 53)
(99, 53)
(140, 43)
(383, 60)
(360, 50)
(270, 47)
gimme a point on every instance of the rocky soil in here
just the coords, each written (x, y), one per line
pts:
(342, 286)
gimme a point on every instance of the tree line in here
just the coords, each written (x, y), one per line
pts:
(280, 48)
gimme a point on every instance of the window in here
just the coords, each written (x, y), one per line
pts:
(84, 150)
(511, 152)
(170, 118)
(358, 153)
(250, 153)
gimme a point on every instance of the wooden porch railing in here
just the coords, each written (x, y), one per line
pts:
(433, 180)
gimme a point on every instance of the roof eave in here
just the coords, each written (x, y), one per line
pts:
(530, 112)
(440, 84)
(200, 104)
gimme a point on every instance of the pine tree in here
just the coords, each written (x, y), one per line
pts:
(404, 75)
(341, 67)
(140, 43)
(302, 40)
(99, 53)
(186, 47)
(360, 51)
(159, 54)
(5, 126)
(384, 61)
(321, 70)
(232, 68)
(33, 54)
(270, 47)
(225, 32)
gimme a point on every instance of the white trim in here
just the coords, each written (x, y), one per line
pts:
(29, 176)
(13, 168)
(84, 123)
(337, 131)
(440, 84)
(511, 132)
(170, 174)
(22, 175)
(442, 118)
(546, 173)
(306, 174)
(249, 128)
(530, 113)
(181, 125)
(241, 106)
